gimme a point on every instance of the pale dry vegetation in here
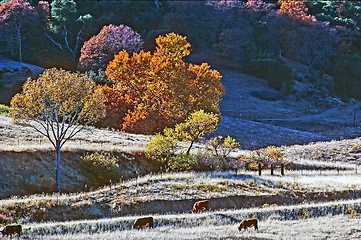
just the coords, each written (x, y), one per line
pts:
(176, 193)
(277, 198)
(19, 138)
(338, 220)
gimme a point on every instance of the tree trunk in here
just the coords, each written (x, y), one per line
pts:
(19, 41)
(189, 149)
(18, 29)
(58, 167)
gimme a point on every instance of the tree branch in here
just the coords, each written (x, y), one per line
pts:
(53, 40)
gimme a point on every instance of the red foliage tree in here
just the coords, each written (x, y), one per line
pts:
(99, 50)
(15, 15)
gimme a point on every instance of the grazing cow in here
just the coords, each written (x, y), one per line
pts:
(200, 205)
(12, 229)
(142, 222)
(248, 223)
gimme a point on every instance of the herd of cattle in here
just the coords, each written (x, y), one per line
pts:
(11, 230)
(197, 207)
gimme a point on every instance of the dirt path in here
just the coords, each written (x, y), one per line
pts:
(322, 115)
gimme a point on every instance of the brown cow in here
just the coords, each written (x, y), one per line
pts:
(12, 229)
(200, 205)
(142, 222)
(248, 223)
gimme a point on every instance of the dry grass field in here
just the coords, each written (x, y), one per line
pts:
(306, 221)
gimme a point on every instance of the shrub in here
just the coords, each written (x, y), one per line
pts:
(250, 163)
(221, 149)
(350, 211)
(162, 147)
(255, 158)
(355, 149)
(274, 70)
(3, 219)
(99, 77)
(4, 110)
(101, 167)
(347, 76)
(182, 162)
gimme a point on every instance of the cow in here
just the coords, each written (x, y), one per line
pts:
(248, 223)
(142, 222)
(200, 205)
(12, 229)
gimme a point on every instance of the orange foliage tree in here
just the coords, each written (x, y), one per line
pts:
(296, 11)
(156, 90)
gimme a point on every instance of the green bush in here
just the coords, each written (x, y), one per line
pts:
(162, 147)
(101, 167)
(182, 162)
(347, 77)
(165, 150)
(274, 70)
(4, 110)
(99, 77)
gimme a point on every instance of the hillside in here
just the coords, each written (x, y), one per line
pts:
(252, 112)
(258, 116)
(12, 76)
(254, 121)
(29, 167)
(299, 198)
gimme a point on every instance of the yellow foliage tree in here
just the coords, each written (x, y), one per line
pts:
(165, 149)
(153, 91)
(221, 149)
(197, 125)
(58, 105)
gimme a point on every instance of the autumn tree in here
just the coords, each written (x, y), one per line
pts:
(221, 148)
(15, 16)
(58, 105)
(165, 147)
(152, 91)
(99, 50)
(296, 11)
(274, 155)
(198, 124)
